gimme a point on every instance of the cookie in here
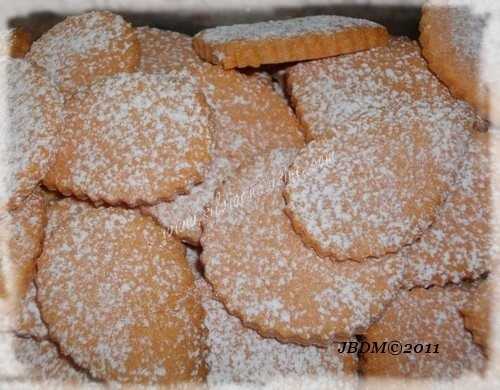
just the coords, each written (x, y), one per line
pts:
(339, 96)
(43, 363)
(163, 51)
(240, 356)
(81, 49)
(451, 35)
(250, 119)
(358, 197)
(459, 244)
(477, 313)
(118, 297)
(298, 39)
(182, 217)
(32, 112)
(21, 238)
(15, 42)
(263, 273)
(423, 316)
(134, 139)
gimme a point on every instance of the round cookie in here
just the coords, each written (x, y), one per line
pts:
(429, 317)
(477, 313)
(163, 51)
(350, 95)
(42, 363)
(451, 38)
(263, 273)
(32, 112)
(27, 320)
(240, 356)
(118, 297)
(134, 139)
(15, 42)
(250, 119)
(458, 245)
(81, 49)
(360, 197)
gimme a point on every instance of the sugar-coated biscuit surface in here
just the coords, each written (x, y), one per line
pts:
(118, 297)
(31, 115)
(359, 197)
(283, 41)
(239, 355)
(43, 363)
(21, 237)
(163, 51)
(84, 48)
(459, 244)
(264, 274)
(134, 139)
(427, 317)
(249, 117)
(452, 39)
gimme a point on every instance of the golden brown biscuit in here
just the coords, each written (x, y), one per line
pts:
(118, 297)
(275, 42)
(423, 317)
(458, 245)
(31, 113)
(81, 49)
(263, 273)
(477, 313)
(358, 93)
(451, 37)
(240, 356)
(359, 197)
(15, 42)
(134, 139)
(250, 119)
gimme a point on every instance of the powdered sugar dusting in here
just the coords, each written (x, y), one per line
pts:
(116, 294)
(265, 275)
(135, 139)
(365, 199)
(30, 112)
(163, 51)
(83, 48)
(320, 24)
(239, 355)
(43, 363)
(183, 216)
(424, 316)
(458, 245)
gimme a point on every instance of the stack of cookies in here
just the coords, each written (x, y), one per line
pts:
(175, 211)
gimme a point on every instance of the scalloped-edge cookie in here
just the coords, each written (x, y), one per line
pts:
(118, 297)
(81, 49)
(134, 139)
(280, 41)
(264, 274)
